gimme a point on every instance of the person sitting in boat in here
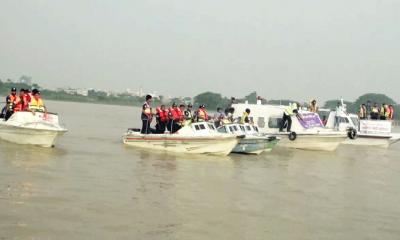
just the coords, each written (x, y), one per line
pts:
(188, 114)
(11, 101)
(374, 112)
(289, 111)
(313, 106)
(218, 117)
(161, 118)
(175, 116)
(36, 104)
(201, 114)
(147, 115)
(245, 117)
(23, 101)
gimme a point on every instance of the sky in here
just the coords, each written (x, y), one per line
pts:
(301, 50)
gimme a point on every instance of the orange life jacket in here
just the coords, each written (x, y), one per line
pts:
(163, 114)
(202, 114)
(12, 101)
(175, 114)
(22, 104)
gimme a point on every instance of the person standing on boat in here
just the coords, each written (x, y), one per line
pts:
(162, 119)
(382, 112)
(391, 112)
(362, 113)
(245, 117)
(218, 117)
(11, 101)
(188, 114)
(174, 115)
(374, 112)
(147, 115)
(202, 115)
(287, 116)
(313, 106)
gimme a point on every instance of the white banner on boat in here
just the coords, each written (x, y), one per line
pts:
(378, 127)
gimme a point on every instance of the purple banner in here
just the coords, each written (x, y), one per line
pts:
(310, 120)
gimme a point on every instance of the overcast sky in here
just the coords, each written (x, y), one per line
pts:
(281, 48)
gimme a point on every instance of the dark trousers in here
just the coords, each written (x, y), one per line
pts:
(145, 127)
(160, 127)
(8, 115)
(285, 119)
(173, 126)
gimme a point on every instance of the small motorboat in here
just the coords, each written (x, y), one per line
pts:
(40, 129)
(307, 132)
(200, 138)
(367, 132)
(250, 140)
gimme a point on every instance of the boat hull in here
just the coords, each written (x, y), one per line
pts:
(42, 138)
(254, 145)
(178, 144)
(315, 142)
(375, 141)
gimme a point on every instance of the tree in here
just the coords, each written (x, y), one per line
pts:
(211, 100)
(252, 97)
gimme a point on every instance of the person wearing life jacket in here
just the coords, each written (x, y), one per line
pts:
(387, 112)
(374, 112)
(202, 115)
(174, 115)
(36, 104)
(289, 111)
(382, 112)
(182, 109)
(218, 117)
(147, 115)
(391, 112)
(162, 119)
(11, 101)
(362, 113)
(313, 106)
(188, 114)
(23, 101)
(245, 117)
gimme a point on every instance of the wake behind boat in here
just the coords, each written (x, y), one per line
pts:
(40, 129)
(199, 138)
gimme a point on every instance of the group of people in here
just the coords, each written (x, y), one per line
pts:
(25, 100)
(375, 112)
(175, 117)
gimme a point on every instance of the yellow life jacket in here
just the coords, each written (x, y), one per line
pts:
(244, 116)
(36, 105)
(289, 109)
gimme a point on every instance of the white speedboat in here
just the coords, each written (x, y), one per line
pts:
(367, 132)
(307, 133)
(200, 138)
(40, 129)
(250, 140)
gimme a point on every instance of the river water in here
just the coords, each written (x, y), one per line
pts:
(93, 187)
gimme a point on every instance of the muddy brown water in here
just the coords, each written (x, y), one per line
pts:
(93, 187)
